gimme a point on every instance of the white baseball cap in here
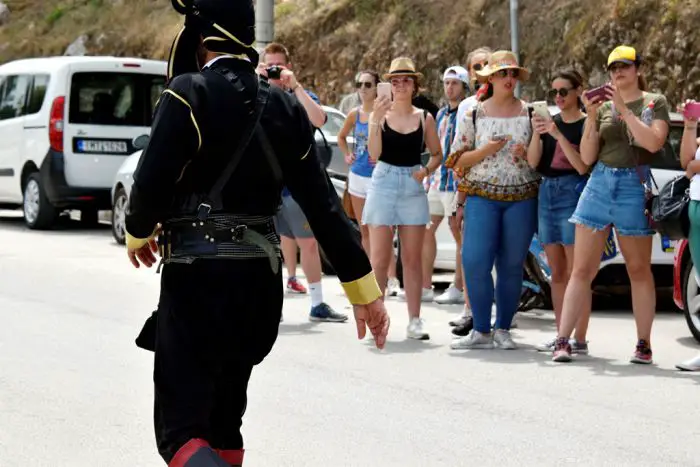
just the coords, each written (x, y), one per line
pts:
(457, 72)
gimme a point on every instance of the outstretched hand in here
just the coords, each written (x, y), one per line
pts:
(374, 317)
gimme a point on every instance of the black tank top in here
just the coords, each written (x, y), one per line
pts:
(403, 150)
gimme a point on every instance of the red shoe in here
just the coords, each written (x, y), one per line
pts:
(294, 286)
(642, 353)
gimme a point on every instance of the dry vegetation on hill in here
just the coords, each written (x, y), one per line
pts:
(331, 39)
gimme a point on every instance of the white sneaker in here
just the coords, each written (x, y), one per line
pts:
(415, 330)
(466, 313)
(690, 365)
(451, 296)
(502, 339)
(514, 323)
(547, 346)
(474, 340)
(393, 287)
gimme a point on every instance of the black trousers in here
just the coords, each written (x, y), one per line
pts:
(217, 319)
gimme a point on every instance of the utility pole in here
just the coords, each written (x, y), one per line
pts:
(514, 36)
(264, 23)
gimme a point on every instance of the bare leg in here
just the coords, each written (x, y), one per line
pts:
(556, 257)
(582, 324)
(588, 249)
(381, 237)
(430, 251)
(411, 258)
(310, 259)
(637, 254)
(289, 250)
(358, 205)
(392, 263)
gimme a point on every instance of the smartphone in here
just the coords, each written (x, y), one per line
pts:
(384, 89)
(541, 109)
(600, 92)
(500, 137)
(692, 110)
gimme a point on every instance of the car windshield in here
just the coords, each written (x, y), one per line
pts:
(333, 124)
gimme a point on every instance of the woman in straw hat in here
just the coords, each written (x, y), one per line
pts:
(398, 132)
(500, 212)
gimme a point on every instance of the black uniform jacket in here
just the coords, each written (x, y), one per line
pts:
(198, 123)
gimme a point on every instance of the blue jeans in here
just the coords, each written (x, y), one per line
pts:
(496, 232)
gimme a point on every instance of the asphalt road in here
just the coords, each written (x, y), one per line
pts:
(75, 391)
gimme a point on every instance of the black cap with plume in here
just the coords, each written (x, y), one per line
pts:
(226, 26)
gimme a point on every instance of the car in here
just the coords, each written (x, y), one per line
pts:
(66, 126)
(686, 288)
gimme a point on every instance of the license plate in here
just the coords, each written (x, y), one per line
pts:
(102, 147)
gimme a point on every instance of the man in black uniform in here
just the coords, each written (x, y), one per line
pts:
(204, 195)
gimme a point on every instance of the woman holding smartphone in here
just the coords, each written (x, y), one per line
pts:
(624, 131)
(361, 166)
(690, 161)
(398, 132)
(554, 153)
(500, 213)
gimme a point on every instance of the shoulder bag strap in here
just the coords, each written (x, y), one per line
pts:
(263, 93)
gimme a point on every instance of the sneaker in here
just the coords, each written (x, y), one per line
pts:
(503, 340)
(562, 350)
(475, 340)
(642, 353)
(462, 319)
(579, 348)
(690, 365)
(326, 314)
(514, 322)
(547, 346)
(451, 296)
(415, 330)
(465, 328)
(393, 287)
(295, 287)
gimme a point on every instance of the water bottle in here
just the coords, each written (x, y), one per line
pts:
(648, 114)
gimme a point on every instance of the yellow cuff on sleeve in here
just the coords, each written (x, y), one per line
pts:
(363, 291)
(134, 243)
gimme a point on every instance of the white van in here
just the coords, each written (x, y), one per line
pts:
(66, 126)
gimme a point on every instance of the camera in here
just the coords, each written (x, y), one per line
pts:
(274, 72)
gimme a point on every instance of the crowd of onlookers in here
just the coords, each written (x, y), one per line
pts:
(500, 170)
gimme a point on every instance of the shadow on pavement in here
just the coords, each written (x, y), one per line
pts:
(599, 366)
(689, 342)
(406, 346)
(299, 329)
(65, 225)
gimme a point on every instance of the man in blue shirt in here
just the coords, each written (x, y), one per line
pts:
(290, 221)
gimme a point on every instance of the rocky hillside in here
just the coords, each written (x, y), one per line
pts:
(331, 39)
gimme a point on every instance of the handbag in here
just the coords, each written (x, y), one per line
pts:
(347, 202)
(669, 209)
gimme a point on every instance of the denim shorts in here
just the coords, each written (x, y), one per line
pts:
(395, 198)
(614, 197)
(557, 201)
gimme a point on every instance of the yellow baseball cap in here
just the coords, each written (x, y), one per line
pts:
(623, 54)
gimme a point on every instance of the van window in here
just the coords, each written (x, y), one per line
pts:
(37, 94)
(121, 99)
(13, 96)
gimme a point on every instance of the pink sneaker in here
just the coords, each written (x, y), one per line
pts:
(562, 350)
(642, 353)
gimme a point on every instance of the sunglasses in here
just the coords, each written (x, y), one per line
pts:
(365, 84)
(479, 66)
(619, 66)
(512, 73)
(563, 92)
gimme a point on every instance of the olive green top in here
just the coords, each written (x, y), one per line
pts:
(615, 149)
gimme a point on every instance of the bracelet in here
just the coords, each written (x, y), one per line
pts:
(691, 127)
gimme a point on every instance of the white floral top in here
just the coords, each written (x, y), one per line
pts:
(504, 176)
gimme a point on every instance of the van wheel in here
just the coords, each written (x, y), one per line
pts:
(39, 213)
(691, 300)
(119, 216)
